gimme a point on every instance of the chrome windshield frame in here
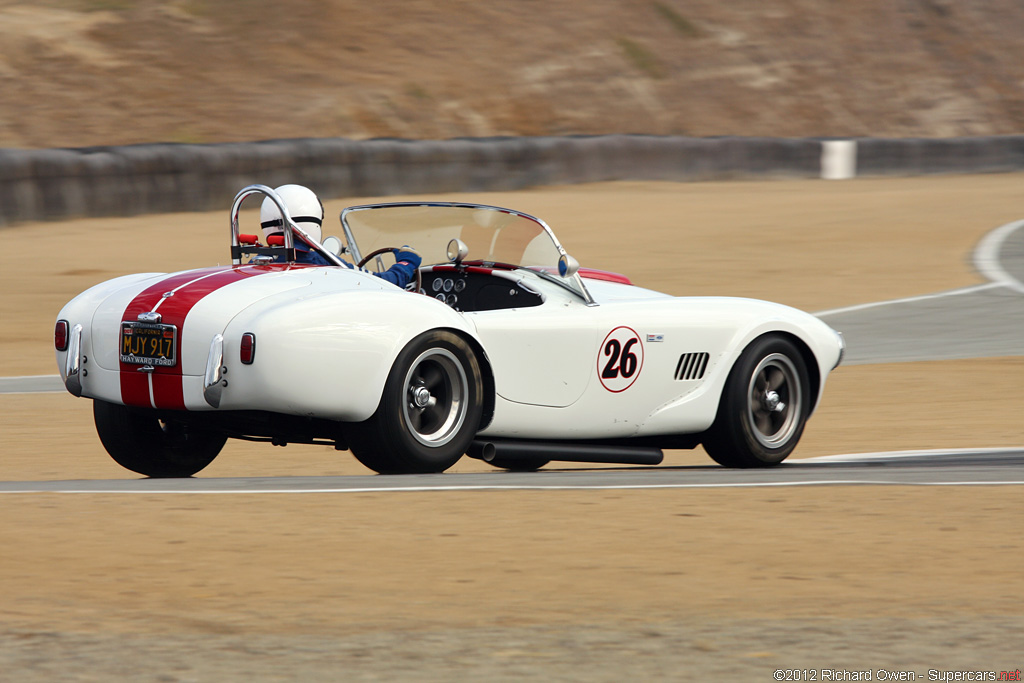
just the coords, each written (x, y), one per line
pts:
(353, 247)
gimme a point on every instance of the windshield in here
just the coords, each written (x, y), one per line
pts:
(492, 235)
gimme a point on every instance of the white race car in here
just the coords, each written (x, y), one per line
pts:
(507, 351)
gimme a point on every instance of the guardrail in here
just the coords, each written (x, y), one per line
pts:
(48, 184)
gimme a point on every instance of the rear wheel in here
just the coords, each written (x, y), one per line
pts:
(430, 409)
(516, 465)
(140, 442)
(763, 408)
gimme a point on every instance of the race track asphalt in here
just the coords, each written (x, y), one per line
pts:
(936, 468)
(974, 322)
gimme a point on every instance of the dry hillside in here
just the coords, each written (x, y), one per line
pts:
(96, 72)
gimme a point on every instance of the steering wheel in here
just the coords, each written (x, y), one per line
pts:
(417, 282)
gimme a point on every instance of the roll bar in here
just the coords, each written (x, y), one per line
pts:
(290, 230)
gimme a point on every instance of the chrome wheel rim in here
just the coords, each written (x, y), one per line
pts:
(436, 397)
(774, 401)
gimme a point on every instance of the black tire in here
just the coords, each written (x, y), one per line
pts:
(430, 409)
(763, 408)
(518, 465)
(140, 442)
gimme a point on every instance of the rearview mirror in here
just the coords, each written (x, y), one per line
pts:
(334, 245)
(567, 266)
(457, 250)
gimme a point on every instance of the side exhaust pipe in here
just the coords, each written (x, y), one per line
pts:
(507, 450)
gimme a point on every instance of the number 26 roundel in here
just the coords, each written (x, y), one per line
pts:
(620, 359)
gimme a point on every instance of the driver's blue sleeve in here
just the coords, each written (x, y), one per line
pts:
(399, 274)
(404, 270)
(311, 257)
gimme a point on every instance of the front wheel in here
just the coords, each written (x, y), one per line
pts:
(430, 409)
(142, 443)
(763, 408)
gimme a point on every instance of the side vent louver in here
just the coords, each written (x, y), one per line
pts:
(692, 365)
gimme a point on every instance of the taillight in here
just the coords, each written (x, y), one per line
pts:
(60, 335)
(247, 351)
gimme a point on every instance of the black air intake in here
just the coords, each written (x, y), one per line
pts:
(692, 365)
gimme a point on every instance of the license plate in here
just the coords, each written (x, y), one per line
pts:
(148, 343)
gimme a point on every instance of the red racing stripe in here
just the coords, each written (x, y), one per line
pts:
(185, 291)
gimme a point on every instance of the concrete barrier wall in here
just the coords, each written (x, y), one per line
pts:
(52, 184)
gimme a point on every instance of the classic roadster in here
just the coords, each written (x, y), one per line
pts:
(504, 349)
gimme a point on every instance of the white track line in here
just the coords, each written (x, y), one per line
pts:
(526, 487)
(7, 384)
(910, 299)
(864, 457)
(39, 377)
(986, 256)
(986, 262)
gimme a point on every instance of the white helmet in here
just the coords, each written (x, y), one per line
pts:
(303, 206)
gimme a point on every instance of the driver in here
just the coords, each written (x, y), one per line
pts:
(307, 211)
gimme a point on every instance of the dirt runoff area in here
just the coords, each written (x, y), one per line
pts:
(555, 585)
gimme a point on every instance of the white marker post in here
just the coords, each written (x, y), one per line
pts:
(838, 159)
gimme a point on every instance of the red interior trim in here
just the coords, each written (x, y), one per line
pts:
(607, 276)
